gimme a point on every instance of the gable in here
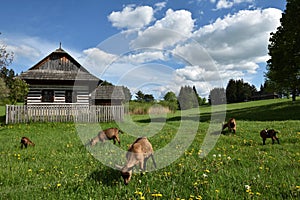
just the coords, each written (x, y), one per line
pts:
(58, 60)
(58, 65)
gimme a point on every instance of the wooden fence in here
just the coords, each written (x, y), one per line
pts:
(63, 113)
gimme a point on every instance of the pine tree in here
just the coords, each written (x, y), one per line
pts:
(284, 49)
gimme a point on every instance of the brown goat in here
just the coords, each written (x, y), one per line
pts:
(25, 141)
(138, 153)
(269, 134)
(231, 124)
(108, 134)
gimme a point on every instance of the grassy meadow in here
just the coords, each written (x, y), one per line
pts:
(238, 167)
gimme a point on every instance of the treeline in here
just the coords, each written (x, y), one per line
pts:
(187, 98)
(238, 91)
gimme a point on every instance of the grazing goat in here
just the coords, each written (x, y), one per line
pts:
(108, 134)
(25, 141)
(269, 134)
(138, 153)
(231, 124)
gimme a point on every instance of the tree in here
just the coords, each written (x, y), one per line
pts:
(18, 91)
(238, 91)
(284, 49)
(201, 101)
(231, 91)
(17, 88)
(6, 58)
(139, 96)
(217, 96)
(170, 96)
(187, 98)
(4, 94)
(127, 94)
(170, 100)
(148, 98)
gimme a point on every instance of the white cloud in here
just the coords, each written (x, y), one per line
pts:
(223, 4)
(96, 60)
(143, 57)
(174, 27)
(160, 5)
(131, 18)
(240, 38)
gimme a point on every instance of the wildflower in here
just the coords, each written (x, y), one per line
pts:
(217, 191)
(214, 155)
(58, 185)
(29, 170)
(247, 187)
(204, 175)
(206, 171)
(157, 195)
(199, 197)
(199, 152)
(138, 193)
(228, 158)
(258, 194)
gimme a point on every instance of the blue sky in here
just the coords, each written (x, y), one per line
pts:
(153, 46)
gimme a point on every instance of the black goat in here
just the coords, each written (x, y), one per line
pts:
(269, 134)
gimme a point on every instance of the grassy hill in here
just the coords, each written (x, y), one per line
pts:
(237, 167)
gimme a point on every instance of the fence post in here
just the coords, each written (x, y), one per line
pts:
(6, 114)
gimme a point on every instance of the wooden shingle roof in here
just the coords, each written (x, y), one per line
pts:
(58, 65)
(108, 92)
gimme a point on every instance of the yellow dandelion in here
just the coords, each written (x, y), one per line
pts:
(257, 193)
(157, 195)
(138, 193)
(217, 191)
(58, 185)
(199, 197)
(29, 170)
(206, 171)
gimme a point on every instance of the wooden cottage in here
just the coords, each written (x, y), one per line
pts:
(59, 78)
(108, 95)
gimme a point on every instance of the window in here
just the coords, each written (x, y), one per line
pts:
(47, 95)
(70, 96)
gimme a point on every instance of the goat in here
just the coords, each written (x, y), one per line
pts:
(138, 153)
(108, 134)
(231, 124)
(269, 134)
(25, 141)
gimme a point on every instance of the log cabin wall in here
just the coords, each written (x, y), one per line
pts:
(58, 94)
(59, 78)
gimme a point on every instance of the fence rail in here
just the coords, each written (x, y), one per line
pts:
(63, 113)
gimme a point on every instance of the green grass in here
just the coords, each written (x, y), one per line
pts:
(60, 167)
